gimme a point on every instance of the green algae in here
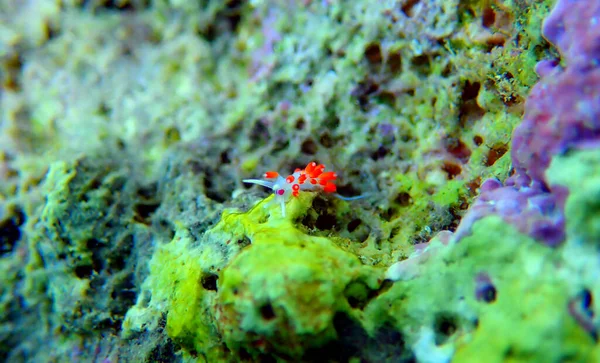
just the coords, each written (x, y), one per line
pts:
(176, 287)
(436, 308)
(85, 237)
(579, 172)
(254, 283)
(281, 296)
(277, 291)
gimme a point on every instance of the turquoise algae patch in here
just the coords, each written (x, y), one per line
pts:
(496, 295)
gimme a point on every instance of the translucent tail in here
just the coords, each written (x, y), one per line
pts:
(350, 198)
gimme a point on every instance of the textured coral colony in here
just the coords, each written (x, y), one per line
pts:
(468, 130)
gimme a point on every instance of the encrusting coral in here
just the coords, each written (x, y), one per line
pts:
(562, 113)
(274, 296)
(128, 128)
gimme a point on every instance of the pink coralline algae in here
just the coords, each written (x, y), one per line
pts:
(562, 113)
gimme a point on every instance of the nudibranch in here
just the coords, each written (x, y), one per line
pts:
(312, 178)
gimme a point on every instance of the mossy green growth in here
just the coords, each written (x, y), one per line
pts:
(526, 318)
(181, 286)
(418, 214)
(254, 283)
(178, 272)
(280, 294)
(579, 171)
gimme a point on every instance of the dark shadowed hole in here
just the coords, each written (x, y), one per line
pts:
(267, 312)
(388, 214)
(224, 157)
(10, 232)
(332, 122)
(470, 91)
(225, 21)
(116, 263)
(321, 204)
(354, 343)
(113, 5)
(163, 352)
(309, 147)
(209, 281)
(144, 211)
(353, 225)
(259, 133)
(107, 324)
(395, 62)
(407, 7)
(244, 242)
(233, 13)
(84, 271)
(358, 294)
(13, 63)
(362, 91)
(495, 153)
(95, 247)
(351, 337)
(196, 167)
(445, 326)
(94, 184)
(117, 257)
(268, 358)
(387, 98)
(388, 345)
(422, 64)
(326, 140)
(477, 140)
(586, 301)
(300, 124)
(373, 54)
(451, 169)
(458, 149)
(212, 191)
(167, 228)
(326, 221)
(403, 199)
(385, 286)
(244, 355)
(360, 232)
(380, 153)
(469, 110)
(488, 18)
(322, 215)
(473, 186)
(147, 192)
(123, 296)
(172, 136)
(488, 293)
(447, 71)
(103, 109)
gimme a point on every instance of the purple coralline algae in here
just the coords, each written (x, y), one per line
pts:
(562, 113)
